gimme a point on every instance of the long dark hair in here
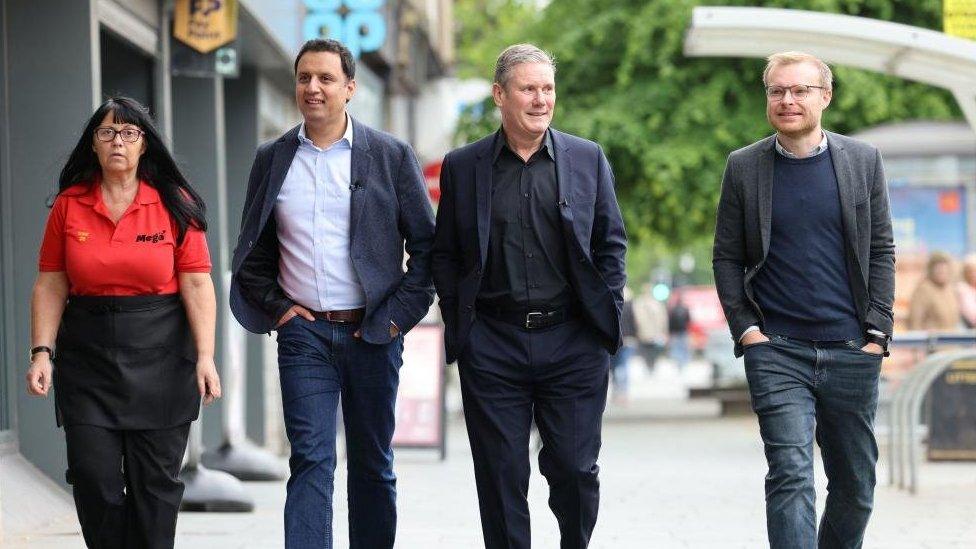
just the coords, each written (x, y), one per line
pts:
(156, 165)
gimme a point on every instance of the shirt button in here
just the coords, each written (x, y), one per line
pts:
(529, 255)
(526, 195)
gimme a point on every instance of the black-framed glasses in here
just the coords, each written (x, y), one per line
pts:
(129, 135)
(798, 91)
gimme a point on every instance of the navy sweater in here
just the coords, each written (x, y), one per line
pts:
(803, 287)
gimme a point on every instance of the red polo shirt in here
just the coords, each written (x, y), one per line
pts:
(137, 256)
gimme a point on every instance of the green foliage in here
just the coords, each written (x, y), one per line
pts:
(667, 122)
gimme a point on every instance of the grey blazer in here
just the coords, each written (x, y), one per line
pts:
(743, 223)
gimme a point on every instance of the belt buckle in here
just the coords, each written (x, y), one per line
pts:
(532, 317)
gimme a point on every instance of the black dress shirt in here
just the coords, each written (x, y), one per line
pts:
(527, 265)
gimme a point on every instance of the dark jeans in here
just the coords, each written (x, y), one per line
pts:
(559, 377)
(828, 390)
(320, 362)
(126, 484)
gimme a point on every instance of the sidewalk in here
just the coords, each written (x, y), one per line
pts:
(675, 483)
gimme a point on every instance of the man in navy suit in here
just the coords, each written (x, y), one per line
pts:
(330, 207)
(528, 261)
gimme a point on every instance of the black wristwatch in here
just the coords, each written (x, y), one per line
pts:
(882, 341)
(41, 349)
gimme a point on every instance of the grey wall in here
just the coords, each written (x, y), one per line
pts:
(241, 119)
(7, 381)
(51, 50)
(198, 142)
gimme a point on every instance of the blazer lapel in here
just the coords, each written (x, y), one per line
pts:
(482, 185)
(564, 179)
(845, 188)
(359, 174)
(764, 178)
(284, 153)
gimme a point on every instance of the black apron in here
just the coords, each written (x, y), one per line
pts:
(125, 362)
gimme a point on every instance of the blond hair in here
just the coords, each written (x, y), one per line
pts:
(793, 57)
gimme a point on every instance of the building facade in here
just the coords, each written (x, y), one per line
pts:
(59, 59)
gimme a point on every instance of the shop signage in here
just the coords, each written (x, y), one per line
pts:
(205, 25)
(359, 24)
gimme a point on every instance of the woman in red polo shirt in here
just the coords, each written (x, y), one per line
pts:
(122, 322)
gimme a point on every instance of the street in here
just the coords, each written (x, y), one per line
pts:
(675, 483)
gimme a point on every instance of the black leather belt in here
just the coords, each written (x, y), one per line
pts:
(531, 319)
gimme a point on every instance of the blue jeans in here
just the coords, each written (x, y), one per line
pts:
(678, 345)
(320, 362)
(828, 390)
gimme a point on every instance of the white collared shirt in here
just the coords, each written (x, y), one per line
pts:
(819, 149)
(313, 216)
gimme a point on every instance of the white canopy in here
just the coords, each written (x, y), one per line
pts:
(908, 52)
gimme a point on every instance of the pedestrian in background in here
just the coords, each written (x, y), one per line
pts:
(804, 267)
(123, 316)
(966, 292)
(330, 206)
(934, 304)
(679, 320)
(651, 318)
(628, 333)
(529, 265)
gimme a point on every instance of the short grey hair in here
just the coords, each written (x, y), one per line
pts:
(793, 57)
(516, 55)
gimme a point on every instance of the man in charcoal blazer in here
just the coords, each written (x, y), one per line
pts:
(804, 267)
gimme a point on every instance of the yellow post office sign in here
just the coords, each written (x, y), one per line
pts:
(959, 18)
(205, 25)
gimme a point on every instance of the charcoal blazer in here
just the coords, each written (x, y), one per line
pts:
(743, 226)
(390, 211)
(593, 228)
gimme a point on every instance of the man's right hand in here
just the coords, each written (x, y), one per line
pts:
(292, 312)
(753, 337)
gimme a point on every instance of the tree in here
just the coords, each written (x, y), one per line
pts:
(667, 122)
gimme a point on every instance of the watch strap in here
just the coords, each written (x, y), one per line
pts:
(41, 349)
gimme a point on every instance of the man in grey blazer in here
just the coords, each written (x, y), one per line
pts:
(804, 266)
(330, 207)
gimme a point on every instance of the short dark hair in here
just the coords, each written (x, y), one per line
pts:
(332, 46)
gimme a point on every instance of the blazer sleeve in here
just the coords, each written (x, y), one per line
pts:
(257, 275)
(415, 293)
(881, 273)
(729, 255)
(608, 241)
(446, 254)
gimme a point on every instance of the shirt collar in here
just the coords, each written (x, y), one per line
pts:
(347, 135)
(502, 142)
(816, 150)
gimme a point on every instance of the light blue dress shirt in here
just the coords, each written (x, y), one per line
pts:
(313, 216)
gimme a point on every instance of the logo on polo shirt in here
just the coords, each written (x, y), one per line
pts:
(154, 238)
(82, 236)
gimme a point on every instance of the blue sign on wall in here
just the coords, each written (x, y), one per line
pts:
(926, 219)
(359, 24)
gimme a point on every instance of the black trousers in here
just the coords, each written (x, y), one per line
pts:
(125, 483)
(558, 376)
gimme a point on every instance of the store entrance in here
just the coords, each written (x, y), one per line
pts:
(126, 71)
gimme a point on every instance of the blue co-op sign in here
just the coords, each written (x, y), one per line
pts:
(358, 24)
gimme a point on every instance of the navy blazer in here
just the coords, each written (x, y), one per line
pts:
(592, 226)
(390, 209)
